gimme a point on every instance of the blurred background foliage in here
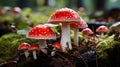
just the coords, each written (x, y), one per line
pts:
(40, 10)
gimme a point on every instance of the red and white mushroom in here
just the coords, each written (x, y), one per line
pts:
(102, 29)
(24, 47)
(41, 32)
(75, 26)
(65, 16)
(87, 32)
(16, 10)
(33, 48)
(2, 12)
(56, 46)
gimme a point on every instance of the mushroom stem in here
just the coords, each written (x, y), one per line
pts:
(34, 55)
(53, 52)
(26, 53)
(43, 45)
(65, 38)
(101, 35)
(86, 38)
(76, 36)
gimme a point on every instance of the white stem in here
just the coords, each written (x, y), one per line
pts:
(102, 34)
(53, 52)
(26, 53)
(76, 36)
(86, 38)
(34, 55)
(43, 45)
(65, 38)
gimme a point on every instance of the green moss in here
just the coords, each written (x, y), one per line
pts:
(9, 44)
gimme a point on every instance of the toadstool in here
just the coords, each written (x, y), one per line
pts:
(41, 32)
(65, 16)
(24, 47)
(16, 10)
(75, 26)
(33, 48)
(102, 29)
(56, 45)
(87, 32)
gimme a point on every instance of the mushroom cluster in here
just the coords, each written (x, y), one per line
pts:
(28, 48)
(61, 49)
(24, 47)
(65, 16)
(68, 19)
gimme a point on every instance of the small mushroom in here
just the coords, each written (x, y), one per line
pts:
(87, 32)
(41, 32)
(24, 47)
(75, 26)
(65, 16)
(56, 46)
(2, 12)
(33, 48)
(16, 10)
(102, 29)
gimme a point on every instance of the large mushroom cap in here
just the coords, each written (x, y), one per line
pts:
(23, 46)
(64, 15)
(87, 31)
(102, 29)
(41, 32)
(81, 24)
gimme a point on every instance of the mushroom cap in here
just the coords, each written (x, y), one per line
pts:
(16, 10)
(102, 29)
(2, 12)
(41, 32)
(57, 45)
(24, 46)
(115, 27)
(87, 31)
(81, 9)
(64, 15)
(81, 24)
(33, 47)
(115, 24)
